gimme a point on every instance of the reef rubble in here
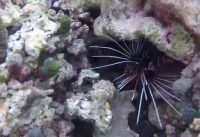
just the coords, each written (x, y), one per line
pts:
(48, 85)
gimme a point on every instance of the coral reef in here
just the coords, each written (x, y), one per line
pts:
(32, 63)
(35, 30)
(127, 20)
(121, 107)
(23, 104)
(79, 3)
(46, 80)
(3, 41)
(94, 105)
(9, 13)
(187, 13)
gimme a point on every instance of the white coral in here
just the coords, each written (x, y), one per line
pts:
(35, 30)
(10, 13)
(94, 105)
(32, 36)
(195, 124)
(24, 104)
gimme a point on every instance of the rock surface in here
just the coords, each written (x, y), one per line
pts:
(127, 20)
(186, 12)
(183, 85)
(79, 3)
(94, 105)
(43, 51)
(121, 107)
(26, 104)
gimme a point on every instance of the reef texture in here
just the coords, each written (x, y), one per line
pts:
(23, 104)
(45, 83)
(94, 106)
(131, 19)
(121, 107)
(79, 3)
(34, 40)
(185, 11)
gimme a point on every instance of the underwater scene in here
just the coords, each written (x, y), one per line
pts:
(99, 68)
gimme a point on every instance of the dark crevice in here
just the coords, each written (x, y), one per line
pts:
(147, 60)
(94, 11)
(83, 128)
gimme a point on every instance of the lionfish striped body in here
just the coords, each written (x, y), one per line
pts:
(141, 64)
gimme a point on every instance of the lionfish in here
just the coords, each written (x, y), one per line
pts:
(141, 63)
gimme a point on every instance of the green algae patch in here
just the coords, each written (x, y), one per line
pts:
(2, 27)
(52, 67)
(64, 25)
(3, 79)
